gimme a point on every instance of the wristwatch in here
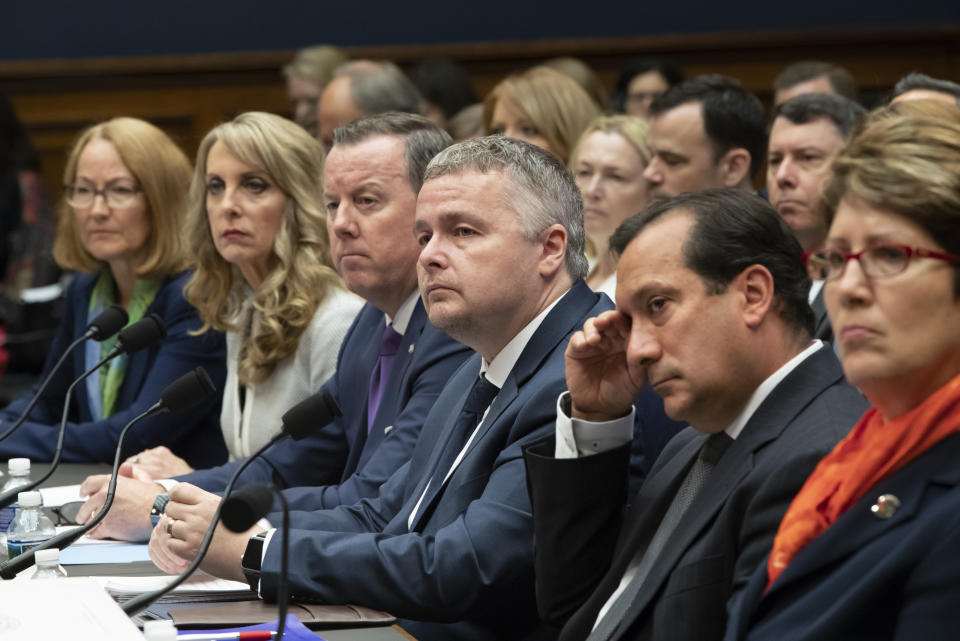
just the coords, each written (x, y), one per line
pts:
(159, 505)
(252, 556)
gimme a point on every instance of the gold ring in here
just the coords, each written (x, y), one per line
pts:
(170, 527)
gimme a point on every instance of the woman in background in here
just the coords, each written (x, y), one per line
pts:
(257, 229)
(608, 165)
(540, 106)
(125, 187)
(870, 546)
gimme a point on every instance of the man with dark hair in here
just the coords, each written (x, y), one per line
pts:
(705, 132)
(812, 76)
(807, 133)
(374, 251)
(364, 88)
(712, 311)
(918, 86)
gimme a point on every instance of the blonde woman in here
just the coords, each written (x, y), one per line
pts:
(119, 223)
(608, 165)
(257, 230)
(540, 106)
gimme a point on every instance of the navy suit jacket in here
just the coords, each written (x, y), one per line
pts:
(342, 458)
(469, 559)
(872, 578)
(193, 434)
(585, 540)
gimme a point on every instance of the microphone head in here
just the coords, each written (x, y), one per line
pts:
(310, 414)
(245, 507)
(187, 391)
(143, 333)
(107, 323)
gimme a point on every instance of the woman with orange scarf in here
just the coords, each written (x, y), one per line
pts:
(870, 547)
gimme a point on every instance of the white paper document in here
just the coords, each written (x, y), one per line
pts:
(73, 608)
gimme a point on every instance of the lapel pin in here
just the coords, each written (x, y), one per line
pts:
(410, 349)
(885, 506)
(387, 429)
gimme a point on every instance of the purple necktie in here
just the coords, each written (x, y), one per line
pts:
(389, 343)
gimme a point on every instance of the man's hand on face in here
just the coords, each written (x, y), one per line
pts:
(175, 541)
(602, 385)
(129, 516)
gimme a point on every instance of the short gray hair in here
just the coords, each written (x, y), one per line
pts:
(422, 139)
(540, 188)
(378, 87)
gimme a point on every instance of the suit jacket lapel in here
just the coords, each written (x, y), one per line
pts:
(778, 410)
(401, 365)
(552, 330)
(858, 525)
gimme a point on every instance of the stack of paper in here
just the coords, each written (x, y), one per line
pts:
(199, 588)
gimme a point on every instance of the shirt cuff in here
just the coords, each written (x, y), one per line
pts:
(166, 483)
(577, 437)
(263, 557)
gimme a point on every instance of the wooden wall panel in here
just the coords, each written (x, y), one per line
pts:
(187, 95)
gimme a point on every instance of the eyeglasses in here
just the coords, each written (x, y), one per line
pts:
(65, 514)
(878, 261)
(117, 194)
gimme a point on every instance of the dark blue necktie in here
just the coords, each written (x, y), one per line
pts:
(478, 400)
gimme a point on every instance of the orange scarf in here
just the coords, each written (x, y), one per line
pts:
(872, 451)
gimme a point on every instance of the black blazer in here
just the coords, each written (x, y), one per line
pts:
(584, 540)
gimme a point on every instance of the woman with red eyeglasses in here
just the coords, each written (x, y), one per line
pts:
(870, 547)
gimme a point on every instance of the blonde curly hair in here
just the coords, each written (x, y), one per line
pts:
(284, 303)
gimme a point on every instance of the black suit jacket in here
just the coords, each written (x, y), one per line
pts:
(584, 541)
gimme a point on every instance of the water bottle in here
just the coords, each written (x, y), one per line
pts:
(19, 471)
(48, 564)
(30, 526)
(163, 630)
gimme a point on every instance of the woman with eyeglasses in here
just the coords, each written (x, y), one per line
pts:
(119, 225)
(870, 547)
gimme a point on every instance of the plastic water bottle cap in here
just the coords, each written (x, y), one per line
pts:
(18, 465)
(50, 555)
(29, 499)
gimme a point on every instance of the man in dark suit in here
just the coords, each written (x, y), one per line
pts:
(348, 459)
(447, 544)
(807, 133)
(712, 311)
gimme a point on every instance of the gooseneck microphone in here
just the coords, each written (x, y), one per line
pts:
(185, 392)
(141, 334)
(106, 324)
(302, 419)
(241, 511)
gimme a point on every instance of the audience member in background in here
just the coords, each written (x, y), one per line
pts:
(807, 134)
(447, 543)
(445, 87)
(868, 547)
(918, 86)
(705, 132)
(256, 226)
(363, 88)
(642, 80)
(712, 311)
(608, 165)
(540, 106)
(392, 363)
(120, 223)
(307, 74)
(811, 76)
(466, 123)
(583, 75)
